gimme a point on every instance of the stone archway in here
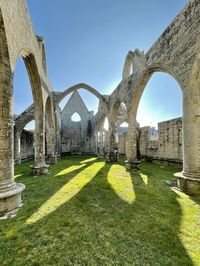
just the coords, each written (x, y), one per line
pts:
(10, 192)
(39, 166)
(138, 91)
(189, 179)
(59, 96)
(118, 109)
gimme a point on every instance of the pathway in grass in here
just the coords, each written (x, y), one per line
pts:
(87, 212)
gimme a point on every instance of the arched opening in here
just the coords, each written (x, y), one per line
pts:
(117, 134)
(22, 90)
(160, 101)
(25, 128)
(101, 137)
(24, 139)
(35, 84)
(157, 106)
(121, 138)
(128, 66)
(105, 124)
(75, 117)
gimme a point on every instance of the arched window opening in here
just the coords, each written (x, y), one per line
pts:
(22, 88)
(30, 126)
(75, 117)
(124, 125)
(105, 125)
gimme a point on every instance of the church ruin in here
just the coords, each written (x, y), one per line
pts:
(176, 52)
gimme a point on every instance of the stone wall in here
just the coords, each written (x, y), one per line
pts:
(167, 145)
(148, 145)
(122, 141)
(170, 139)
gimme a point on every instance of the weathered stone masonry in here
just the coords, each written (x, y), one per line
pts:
(176, 52)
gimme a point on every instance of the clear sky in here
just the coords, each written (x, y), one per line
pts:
(87, 41)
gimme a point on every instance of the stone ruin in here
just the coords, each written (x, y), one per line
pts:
(176, 52)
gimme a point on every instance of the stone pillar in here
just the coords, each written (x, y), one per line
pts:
(101, 152)
(189, 179)
(17, 146)
(10, 192)
(39, 167)
(111, 157)
(131, 146)
(50, 137)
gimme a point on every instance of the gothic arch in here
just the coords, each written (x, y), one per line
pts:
(139, 89)
(128, 65)
(62, 95)
(145, 77)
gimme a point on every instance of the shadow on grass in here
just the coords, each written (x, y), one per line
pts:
(40, 188)
(97, 227)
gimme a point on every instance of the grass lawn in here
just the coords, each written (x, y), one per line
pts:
(86, 212)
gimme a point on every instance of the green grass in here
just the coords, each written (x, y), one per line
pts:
(87, 212)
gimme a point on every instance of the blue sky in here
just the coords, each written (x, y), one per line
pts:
(87, 41)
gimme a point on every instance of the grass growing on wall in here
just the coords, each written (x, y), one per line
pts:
(86, 212)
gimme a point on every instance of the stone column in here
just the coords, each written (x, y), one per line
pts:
(111, 142)
(101, 152)
(39, 167)
(50, 137)
(17, 146)
(189, 179)
(10, 192)
(131, 146)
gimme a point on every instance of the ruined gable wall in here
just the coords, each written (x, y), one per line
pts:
(75, 135)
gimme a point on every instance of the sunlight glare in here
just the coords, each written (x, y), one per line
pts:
(144, 178)
(68, 191)
(89, 160)
(17, 176)
(120, 181)
(70, 169)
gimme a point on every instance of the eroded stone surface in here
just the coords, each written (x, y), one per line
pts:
(176, 52)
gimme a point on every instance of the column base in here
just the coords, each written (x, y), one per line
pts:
(100, 156)
(18, 161)
(133, 164)
(112, 157)
(40, 169)
(51, 160)
(189, 185)
(10, 201)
